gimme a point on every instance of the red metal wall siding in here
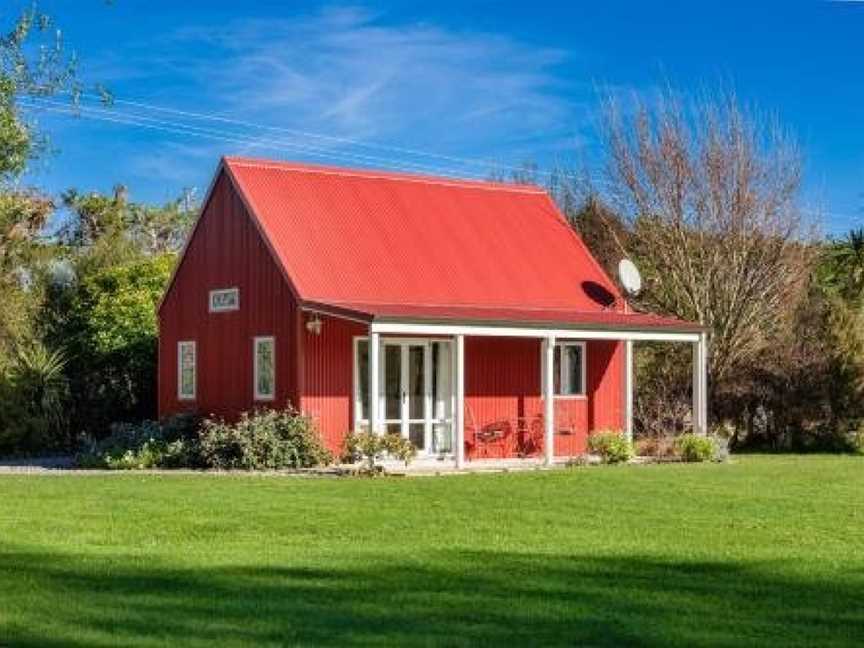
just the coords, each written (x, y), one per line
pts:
(501, 379)
(328, 378)
(605, 385)
(226, 251)
(503, 382)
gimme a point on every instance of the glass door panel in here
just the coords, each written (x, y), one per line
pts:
(442, 438)
(393, 428)
(416, 382)
(393, 387)
(442, 398)
(416, 394)
(417, 435)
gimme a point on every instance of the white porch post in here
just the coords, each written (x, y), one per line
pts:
(374, 345)
(700, 385)
(549, 402)
(703, 355)
(628, 389)
(459, 412)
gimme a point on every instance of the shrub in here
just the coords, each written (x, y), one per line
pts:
(370, 448)
(109, 327)
(858, 443)
(34, 400)
(611, 446)
(695, 447)
(399, 448)
(263, 440)
(855, 440)
(661, 446)
(181, 427)
(363, 446)
(148, 455)
(149, 444)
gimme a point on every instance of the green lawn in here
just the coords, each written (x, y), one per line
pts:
(761, 551)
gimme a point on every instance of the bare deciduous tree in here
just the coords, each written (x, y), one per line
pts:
(710, 194)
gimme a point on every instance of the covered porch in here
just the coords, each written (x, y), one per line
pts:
(535, 391)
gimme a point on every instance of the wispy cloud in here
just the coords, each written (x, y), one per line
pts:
(172, 160)
(349, 72)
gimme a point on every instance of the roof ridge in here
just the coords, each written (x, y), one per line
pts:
(382, 174)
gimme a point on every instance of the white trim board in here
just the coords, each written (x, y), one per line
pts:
(405, 328)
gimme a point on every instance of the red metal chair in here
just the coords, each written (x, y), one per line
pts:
(480, 440)
(529, 436)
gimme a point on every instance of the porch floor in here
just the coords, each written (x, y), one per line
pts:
(426, 466)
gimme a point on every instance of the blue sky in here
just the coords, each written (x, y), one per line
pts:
(468, 86)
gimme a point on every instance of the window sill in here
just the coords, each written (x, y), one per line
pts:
(566, 397)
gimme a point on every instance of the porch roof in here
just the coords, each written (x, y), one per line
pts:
(538, 318)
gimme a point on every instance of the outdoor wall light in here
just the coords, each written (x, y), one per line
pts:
(314, 325)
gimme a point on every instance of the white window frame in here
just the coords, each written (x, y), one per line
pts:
(359, 422)
(223, 309)
(180, 395)
(565, 374)
(255, 343)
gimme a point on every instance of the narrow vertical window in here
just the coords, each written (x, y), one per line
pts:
(265, 368)
(361, 372)
(187, 364)
(573, 370)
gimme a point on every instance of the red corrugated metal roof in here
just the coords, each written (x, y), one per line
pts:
(401, 245)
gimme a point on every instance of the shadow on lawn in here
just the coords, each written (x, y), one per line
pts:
(464, 598)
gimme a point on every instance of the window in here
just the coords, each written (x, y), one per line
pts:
(265, 368)
(186, 370)
(361, 382)
(569, 369)
(227, 299)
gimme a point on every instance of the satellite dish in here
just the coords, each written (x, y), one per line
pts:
(630, 278)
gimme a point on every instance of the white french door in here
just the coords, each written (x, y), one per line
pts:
(406, 390)
(415, 391)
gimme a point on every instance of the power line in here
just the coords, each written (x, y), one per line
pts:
(487, 165)
(143, 121)
(230, 137)
(320, 136)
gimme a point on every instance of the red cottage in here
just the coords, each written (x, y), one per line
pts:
(466, 316)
